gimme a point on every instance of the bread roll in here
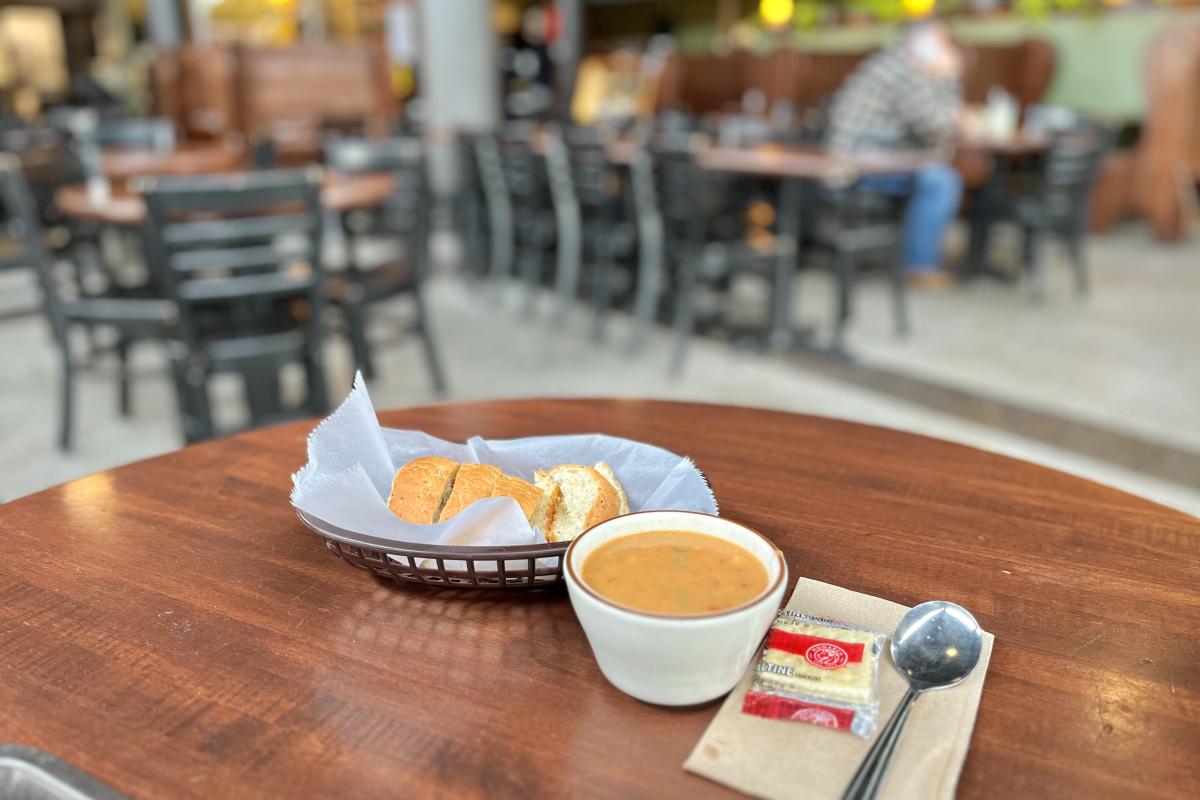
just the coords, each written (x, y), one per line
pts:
(604, 469)
(537, 503)
(474, 482)
(421, 488)
(587, 499)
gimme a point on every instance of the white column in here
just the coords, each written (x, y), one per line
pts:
(164, 24)
(459, 81)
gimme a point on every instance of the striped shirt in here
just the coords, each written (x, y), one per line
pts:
(889, 103)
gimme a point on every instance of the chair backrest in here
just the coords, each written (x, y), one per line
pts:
(676, 176)
(240, 254)
(498, 202)
(1070, 166)
(523, 169)
(19, 225)
(594, 178)
(406, 212)
(678, 187)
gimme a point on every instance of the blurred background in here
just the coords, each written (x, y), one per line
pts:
(215, 212)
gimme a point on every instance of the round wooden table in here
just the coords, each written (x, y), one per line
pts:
(172, 628)
(342, 192)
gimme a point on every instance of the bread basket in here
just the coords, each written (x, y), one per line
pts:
(532, 566)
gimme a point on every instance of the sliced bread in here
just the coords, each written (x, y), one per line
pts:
(604, 469)
(537, 502)
(421, 488)
(587, 499)
(473, 482)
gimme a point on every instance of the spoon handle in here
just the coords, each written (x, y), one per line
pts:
(869, 777)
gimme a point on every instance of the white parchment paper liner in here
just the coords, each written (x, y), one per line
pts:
(352, 460)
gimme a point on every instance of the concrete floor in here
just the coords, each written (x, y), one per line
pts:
(1125, 359)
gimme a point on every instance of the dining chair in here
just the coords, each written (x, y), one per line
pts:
(853, 225)
(608, 236)
(651, 247)
(500, 223)
(536, 225)
(131, 318)
(240, 254)
(705, 241)
(1053, 201)
(404, 219)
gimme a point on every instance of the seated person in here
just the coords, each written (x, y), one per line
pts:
(908, 96)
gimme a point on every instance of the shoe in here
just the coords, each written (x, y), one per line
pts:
(933, 279)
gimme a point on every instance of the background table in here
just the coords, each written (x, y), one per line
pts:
(186, 158)
(172, 628)
(340, 192)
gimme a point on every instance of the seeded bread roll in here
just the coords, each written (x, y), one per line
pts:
(420, 489)
(587, 499)
(474, 482)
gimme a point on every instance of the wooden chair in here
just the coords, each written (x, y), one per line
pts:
(404, 218)
(241, 257)
(132, 319)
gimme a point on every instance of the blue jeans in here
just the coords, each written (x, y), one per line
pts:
(933, 193)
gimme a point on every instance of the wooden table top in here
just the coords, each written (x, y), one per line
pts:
(186, 158)
(806, 163)
(124, 207)
(172, 628)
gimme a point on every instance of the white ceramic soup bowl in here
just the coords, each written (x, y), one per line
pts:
(665, 659)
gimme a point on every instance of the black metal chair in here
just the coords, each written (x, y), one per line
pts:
(132, 319)
(1045, 196)
(404, 219)
(241, 257)
(608, 236)
(499, 228)
(854, 224)
(705, 241)
(1053, 201)
(535, 224)
(651, 247)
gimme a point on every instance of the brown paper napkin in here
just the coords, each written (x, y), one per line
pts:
(784, 759)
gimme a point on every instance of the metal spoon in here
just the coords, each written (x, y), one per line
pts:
(936, 645)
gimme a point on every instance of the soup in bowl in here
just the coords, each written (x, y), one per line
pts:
(674, 603)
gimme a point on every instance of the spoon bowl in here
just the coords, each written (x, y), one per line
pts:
(937, 644)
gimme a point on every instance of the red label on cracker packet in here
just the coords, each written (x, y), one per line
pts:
(820, 652)
(772, 706)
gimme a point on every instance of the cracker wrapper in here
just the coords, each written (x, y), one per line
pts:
(352, 460)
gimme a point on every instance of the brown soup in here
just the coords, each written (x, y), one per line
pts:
(675, 572)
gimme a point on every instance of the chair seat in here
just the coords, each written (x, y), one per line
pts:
(366, 286)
